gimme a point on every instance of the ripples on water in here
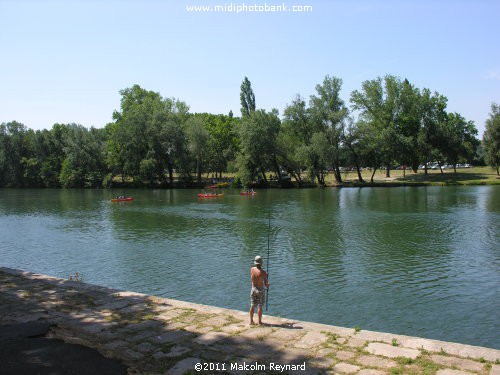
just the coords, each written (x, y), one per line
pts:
(421, 261)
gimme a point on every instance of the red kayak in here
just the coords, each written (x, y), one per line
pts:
(122, 199)
(209, 195)
(248, 193)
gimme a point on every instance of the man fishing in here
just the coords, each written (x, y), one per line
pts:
(259, 280)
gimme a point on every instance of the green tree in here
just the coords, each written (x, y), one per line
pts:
(147, 137)
(354, 143)
(17, 152)
(247, 98)
(129, 143)
(431, 138)
(295, 137)
(461, 142)
(222, 142)
(380, 102)
(84, 164)
(50, 153)
(167, 139)
(491, 138)
(317, 156)
(407, 126)
(258, 136)
(197, 137)
(328, 112)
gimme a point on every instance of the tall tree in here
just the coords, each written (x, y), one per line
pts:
(128, 141)
(329, 113)
(295, 138)
(491, 138)
(407, 126)
(431, 136)
(167, 139)
(222, 142)
(258, 135)
(16, 148)
(84, 164)
(197, 137)
(247, 98)
(354, 143)
(147, 136)
(460, 140)
(379, 103)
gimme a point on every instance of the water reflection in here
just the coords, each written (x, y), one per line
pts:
(417, 261)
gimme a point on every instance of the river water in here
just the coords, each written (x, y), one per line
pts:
(418, 261)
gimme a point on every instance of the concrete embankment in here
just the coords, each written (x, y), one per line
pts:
(147, 334)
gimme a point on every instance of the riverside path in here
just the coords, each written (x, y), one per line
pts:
(149, 335)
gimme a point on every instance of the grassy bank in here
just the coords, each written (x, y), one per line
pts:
(464, 176)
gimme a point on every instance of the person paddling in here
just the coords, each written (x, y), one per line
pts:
(257, 294)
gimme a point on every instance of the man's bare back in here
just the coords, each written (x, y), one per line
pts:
(259, 277)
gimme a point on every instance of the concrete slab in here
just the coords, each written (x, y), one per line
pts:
(453, 372)
(287, 334)
(390, 351)
(233, 328)
(374, 361)
(355, 342)
(461, 363)
(369, 371)
(170, 336)
(210, 338)
(311, 340)
(256, 333)
(321, 362)
(495, 370)
(345, 368)
(344, 355)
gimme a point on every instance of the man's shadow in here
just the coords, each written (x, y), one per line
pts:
(290, 325)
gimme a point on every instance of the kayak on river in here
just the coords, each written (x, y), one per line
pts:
(122, 198)
(209, 195)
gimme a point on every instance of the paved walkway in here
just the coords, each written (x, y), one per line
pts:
(152, 335)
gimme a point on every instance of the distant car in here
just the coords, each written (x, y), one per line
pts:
(285, 176)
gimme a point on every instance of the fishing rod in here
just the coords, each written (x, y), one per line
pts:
(267, 270)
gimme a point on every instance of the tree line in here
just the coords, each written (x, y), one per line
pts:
(156, 141)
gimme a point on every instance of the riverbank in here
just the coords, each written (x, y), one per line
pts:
(463, 176)
(398, 177)
(163, 336)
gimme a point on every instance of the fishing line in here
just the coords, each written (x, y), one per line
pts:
(267, 270)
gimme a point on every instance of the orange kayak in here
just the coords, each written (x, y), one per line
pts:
(125, 199)
(209, 195)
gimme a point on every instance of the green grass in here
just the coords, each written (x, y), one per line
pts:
(332, 338)
(464, 176)
(421, 366)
